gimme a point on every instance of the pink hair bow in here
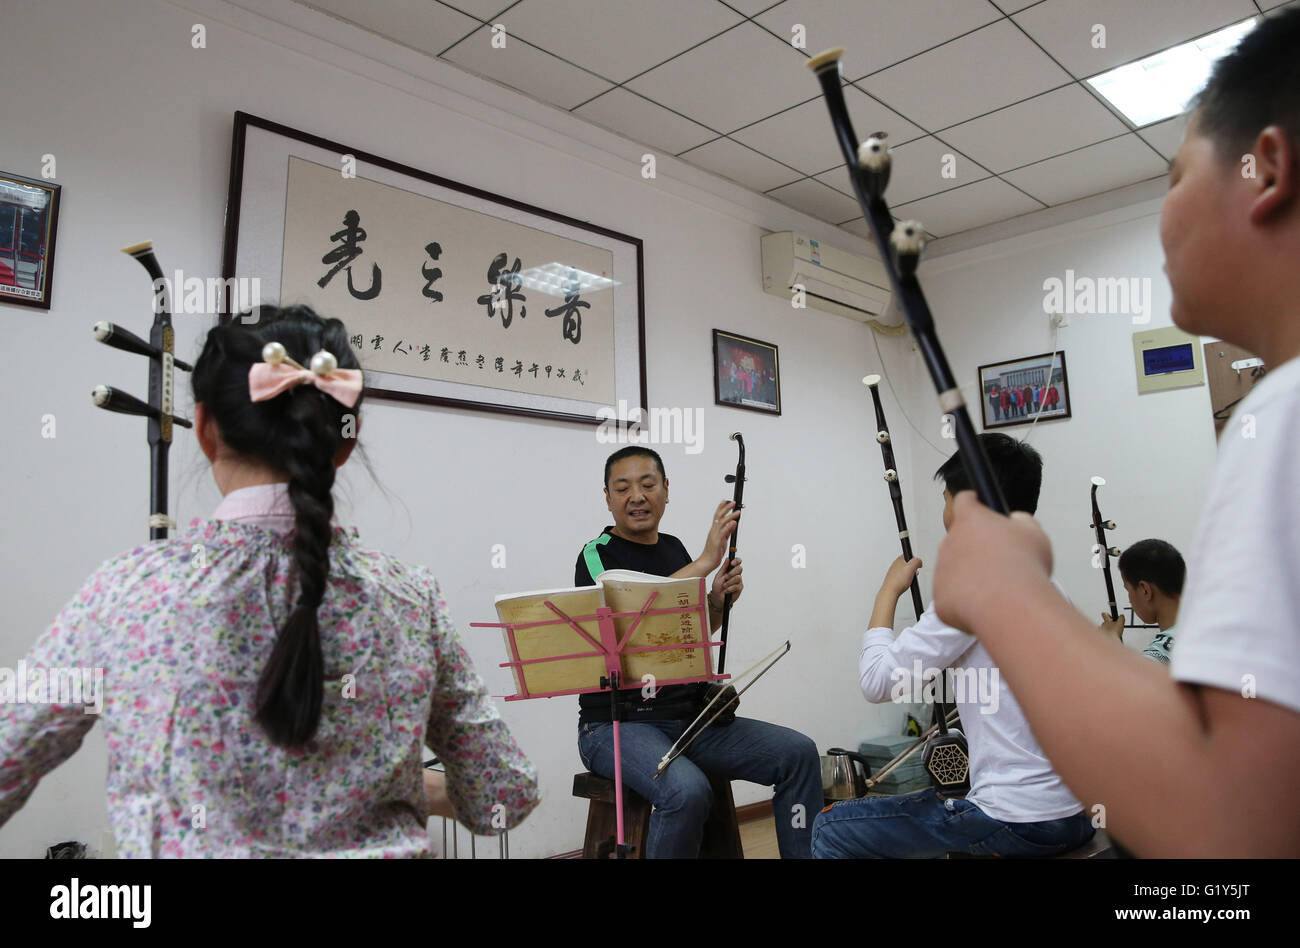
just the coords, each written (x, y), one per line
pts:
(279, 374)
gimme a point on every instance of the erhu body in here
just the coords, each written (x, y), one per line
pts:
(1100, 550)
(159, 409)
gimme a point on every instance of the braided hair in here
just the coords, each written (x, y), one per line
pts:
(298, 434)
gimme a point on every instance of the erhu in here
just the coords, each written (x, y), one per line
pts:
(1100, 550)
(872, 382)
(160, 351)
(949, 771)
(900, 245)
(726, 693)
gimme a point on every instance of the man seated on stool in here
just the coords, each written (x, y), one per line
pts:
(1017, 805)
(636, 492)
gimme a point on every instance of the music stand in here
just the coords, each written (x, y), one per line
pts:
(538, 639)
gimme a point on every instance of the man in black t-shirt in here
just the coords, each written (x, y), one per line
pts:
(636, 492)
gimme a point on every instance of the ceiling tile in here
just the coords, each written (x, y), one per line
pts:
(979, 72)
(642, 121)
(877, 33)
(485, 10)
(1065, 28)
(430, 27)
(740, 164)
(1091, 170)
(617, 39)
(1166, 136)
(530, 70)
(918, 170)
(984, 202)
(1011, 6)
(819, 200)
(1038, 128)
(859, 227)
(804, 138)
(735, 79)
(752, 7)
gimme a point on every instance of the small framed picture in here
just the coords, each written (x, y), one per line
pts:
(746, 373)
(1020, 390)
(29, 222)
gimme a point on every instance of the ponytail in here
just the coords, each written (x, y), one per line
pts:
(299, 434)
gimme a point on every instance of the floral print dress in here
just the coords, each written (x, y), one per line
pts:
(182, 629)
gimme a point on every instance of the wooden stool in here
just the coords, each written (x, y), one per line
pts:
(721, 831)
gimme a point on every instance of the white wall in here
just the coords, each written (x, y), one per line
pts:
(139, 123)
(1154, 450)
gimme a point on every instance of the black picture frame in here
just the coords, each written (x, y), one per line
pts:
(746, 373)
(1012, 377)
(29, 228)
(252, 193)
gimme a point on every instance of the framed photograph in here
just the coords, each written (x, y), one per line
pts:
(452, 295)
(1020, 390)
(746, 373)
(29, 222)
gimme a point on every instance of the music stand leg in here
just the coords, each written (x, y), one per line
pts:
(621, 849)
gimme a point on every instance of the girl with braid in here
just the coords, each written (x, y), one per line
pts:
(268, 683)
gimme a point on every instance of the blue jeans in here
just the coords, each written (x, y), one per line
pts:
(922, 825)
(744, 750)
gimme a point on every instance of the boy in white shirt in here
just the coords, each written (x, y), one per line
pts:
(1153, 573)
(1230, 703)
(1017, 805)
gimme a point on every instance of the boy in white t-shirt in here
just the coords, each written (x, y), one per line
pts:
(1153, 573)
(1017, 805)
(1229, 706)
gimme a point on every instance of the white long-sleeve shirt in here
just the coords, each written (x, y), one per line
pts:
(1011, 779)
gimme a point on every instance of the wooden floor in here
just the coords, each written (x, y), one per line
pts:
(758, 839)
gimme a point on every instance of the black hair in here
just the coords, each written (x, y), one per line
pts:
(632, 451)
(1157, 562)
(297, 433)
(1017, 467)
(1254, 86)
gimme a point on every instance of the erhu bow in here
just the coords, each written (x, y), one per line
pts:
(946, 757)
(895, 488)
(1099, 527)
(160, 351)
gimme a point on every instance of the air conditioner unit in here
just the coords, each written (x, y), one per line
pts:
(835, 281)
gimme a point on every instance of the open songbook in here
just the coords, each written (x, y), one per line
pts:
(563, 641)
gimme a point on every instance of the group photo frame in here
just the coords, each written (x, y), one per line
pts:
(1021, 391)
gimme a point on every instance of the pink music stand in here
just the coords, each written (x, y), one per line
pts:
(612, 649)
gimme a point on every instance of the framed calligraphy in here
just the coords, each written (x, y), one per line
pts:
(452, 295)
